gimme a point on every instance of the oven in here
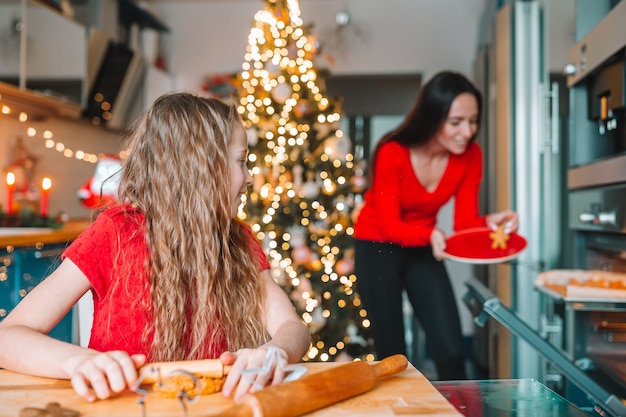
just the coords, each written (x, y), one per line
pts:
(581, 335)
(584, 308)
(588, 325)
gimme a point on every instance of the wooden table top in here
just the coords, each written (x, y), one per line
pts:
(407, 393)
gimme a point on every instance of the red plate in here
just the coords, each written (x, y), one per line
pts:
(474, 246)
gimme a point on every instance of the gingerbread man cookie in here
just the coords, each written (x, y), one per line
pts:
(498, 238)
(51, 410)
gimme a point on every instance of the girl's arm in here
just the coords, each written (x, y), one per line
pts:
(27, 348)
(284, 325)
(289, 334)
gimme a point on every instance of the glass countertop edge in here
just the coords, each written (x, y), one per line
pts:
(523, 396)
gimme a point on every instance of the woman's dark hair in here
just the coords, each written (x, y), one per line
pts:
(430, 110)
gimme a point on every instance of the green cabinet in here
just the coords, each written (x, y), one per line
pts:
(21, 269)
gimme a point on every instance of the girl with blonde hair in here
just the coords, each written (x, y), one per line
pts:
(173, 273)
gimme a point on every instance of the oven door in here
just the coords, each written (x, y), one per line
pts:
(484, 304)
(596, 334)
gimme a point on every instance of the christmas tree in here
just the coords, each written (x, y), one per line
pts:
(301, 203)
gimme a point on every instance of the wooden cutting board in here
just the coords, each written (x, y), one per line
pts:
(404, 394)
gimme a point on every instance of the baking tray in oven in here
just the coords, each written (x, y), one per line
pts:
(583, 285)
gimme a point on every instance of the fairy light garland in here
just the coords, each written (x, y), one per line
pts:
(48, 137)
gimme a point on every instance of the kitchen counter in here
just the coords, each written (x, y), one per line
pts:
(29, 236)
(406, 393)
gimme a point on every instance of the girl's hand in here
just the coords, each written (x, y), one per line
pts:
(252, 359)
(508, 218)
(438, 243)
(104, 374)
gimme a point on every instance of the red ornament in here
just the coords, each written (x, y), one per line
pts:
(301, 255)
(345, 266)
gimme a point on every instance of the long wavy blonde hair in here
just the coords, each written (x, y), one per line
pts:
(202, 271)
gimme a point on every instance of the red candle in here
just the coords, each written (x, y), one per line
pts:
(46, 184)
(10, 191)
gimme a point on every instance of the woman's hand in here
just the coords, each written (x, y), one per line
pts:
(102, 375)
(252, 359)
(438, 243)
(507, 218)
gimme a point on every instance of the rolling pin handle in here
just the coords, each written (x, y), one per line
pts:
(390, 365)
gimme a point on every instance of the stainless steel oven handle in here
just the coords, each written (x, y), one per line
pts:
(602, 218)
(554, 121)
(587, 217)
(607, 218)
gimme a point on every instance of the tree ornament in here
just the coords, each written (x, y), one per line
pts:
(316, 46)
(271, 68)
(344, 266)
(298, 236)
(310, 189)
(337, 147)
(297, 171)
(303, 108)
(315, 264)
(358, 182)
(281, 92)
(301, 255)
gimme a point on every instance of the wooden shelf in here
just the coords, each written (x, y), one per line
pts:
(36, 105)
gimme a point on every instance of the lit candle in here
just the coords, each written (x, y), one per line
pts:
(46, 184)
(10, 191)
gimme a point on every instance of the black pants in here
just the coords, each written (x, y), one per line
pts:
(383, 271)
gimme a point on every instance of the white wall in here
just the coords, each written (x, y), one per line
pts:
(392, 36)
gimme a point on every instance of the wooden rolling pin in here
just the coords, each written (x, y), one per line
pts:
(316, 390)
(212, 368)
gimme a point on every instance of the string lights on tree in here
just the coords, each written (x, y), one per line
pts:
(302, 198)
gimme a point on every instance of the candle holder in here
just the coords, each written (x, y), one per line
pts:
(10, 220)
(30, 218)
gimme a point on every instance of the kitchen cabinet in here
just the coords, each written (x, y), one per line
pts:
(51, 65)
(44, 51)
(27, 257)
(21, 269)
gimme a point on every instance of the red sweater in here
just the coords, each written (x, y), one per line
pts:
(121, 295)
(398, 209)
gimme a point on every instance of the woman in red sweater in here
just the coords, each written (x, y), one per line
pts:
(415, 170)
